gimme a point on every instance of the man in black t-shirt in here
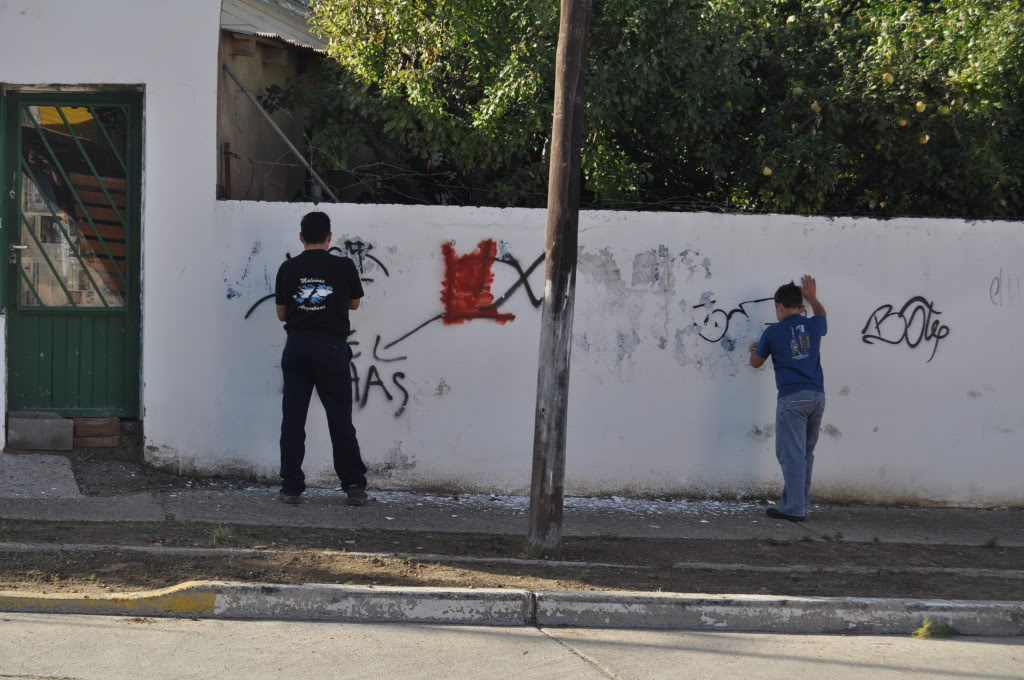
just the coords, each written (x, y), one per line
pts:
(315, 291)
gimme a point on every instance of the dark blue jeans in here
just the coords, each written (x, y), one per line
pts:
(319, 361)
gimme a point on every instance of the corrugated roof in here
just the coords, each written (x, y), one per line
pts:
(283, 19)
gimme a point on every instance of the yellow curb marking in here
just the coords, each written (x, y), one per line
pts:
(183, 600)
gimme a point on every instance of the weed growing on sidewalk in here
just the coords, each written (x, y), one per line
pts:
(8, 532)
(833, 538)
(928, 630)
(222, 534)
(92, 578)
(992, 542)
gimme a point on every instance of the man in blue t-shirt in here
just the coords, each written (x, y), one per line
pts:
(794, 344)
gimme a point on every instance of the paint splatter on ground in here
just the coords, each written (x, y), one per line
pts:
(618, 505)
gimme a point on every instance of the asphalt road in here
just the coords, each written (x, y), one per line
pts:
(54, 647)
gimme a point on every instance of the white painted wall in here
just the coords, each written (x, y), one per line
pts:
(654, 408)
(170, 49)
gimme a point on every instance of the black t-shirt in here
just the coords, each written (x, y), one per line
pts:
(317, 286)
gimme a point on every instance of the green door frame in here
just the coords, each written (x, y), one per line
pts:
(11, 100)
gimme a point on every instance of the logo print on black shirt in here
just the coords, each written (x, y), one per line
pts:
(312, 294)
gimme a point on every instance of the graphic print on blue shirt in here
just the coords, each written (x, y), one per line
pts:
(312, 293)
(800, 342)
(794, 345)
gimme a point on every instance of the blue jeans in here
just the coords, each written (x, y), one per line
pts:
(322, 362)
(797, 422)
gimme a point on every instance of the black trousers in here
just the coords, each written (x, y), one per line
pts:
(319, 361)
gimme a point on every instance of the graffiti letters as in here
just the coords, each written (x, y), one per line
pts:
(363, 383)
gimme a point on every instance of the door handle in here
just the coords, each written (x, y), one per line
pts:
(15, 246)
(13, 259)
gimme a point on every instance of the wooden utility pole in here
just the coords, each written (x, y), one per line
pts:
(546, 490)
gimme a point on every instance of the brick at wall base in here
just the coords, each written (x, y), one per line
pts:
(97, 442)
(97, 427)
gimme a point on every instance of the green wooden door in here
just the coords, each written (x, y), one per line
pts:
(71, 241)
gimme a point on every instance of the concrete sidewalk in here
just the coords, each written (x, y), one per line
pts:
(100, 648)
(43, 487)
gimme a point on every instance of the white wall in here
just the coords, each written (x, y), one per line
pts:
(654, 407)
(170, 49)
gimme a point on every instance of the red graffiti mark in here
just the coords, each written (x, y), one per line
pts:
(466, 291)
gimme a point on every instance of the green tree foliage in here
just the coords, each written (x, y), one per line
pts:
(888, 107)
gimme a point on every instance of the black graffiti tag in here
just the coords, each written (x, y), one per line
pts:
(717, 321)
(360, 252)
(915, 323)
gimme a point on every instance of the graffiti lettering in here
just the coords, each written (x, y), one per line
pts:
(522, 282)
(361, 396)
(257, 304)
(360, 252)
(915, 323)
(377, 357)
(466, 294)
(716, 323)
(1005, 290)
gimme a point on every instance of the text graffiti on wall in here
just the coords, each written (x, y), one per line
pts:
(466, 295)
(1005, 290)
(361, 387)
(355, 249)
(716, 323)
(916, 322)
(491, 308)
(359, 252)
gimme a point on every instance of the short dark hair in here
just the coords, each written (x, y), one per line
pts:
(790, 296)
(315, 227)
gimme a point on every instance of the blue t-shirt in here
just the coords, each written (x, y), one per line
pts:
(794, 345)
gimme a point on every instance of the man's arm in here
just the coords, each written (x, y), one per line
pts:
(355, 285)
(810, 290)
(279, 295)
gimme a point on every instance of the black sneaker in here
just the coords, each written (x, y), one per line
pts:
(289, 498)
(772, 512)
(357, 495)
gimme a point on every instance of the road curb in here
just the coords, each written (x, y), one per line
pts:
(501, 607)
(766, 613)
(313, 602)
